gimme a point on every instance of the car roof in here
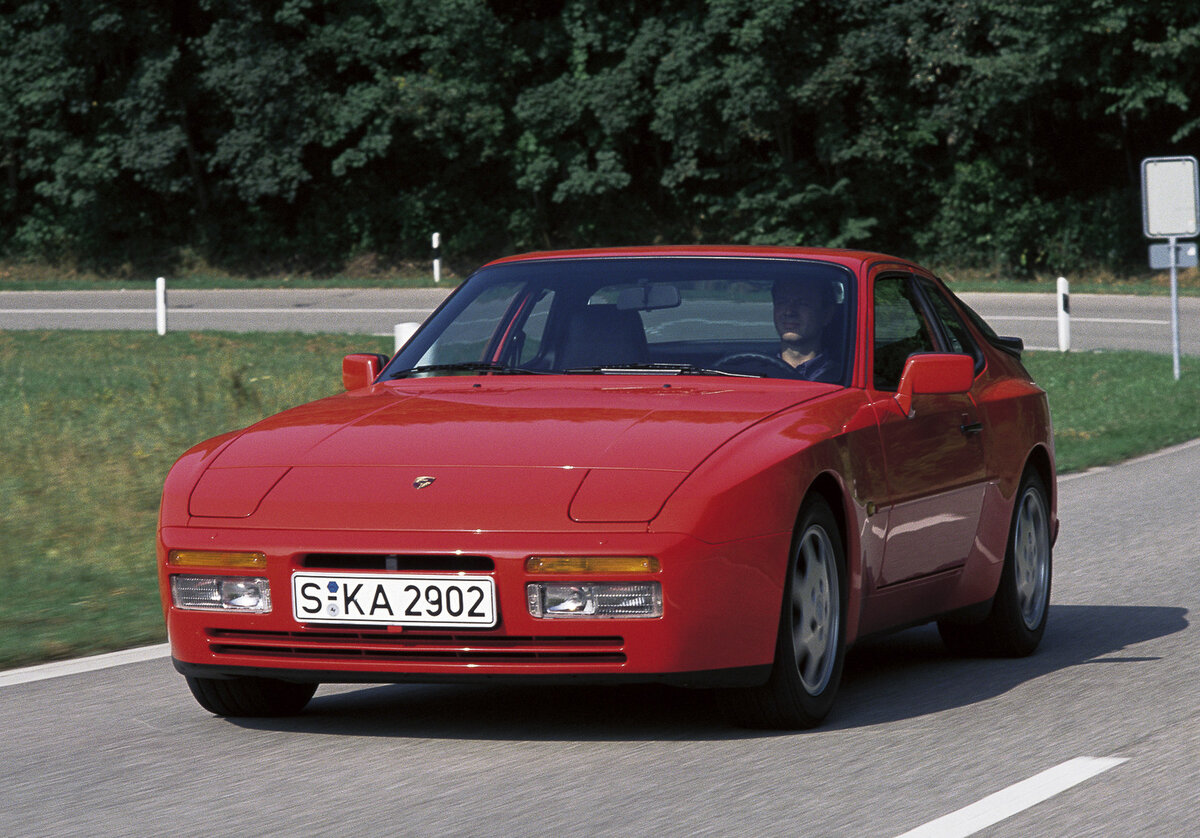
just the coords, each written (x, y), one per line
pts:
(848, 258)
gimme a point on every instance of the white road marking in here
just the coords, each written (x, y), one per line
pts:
(1163, 452)
(1153, 455)
(1074, 319)
(44, 671)
(189, 310)
(1067, 478)
(186, 309)
(1014, 799)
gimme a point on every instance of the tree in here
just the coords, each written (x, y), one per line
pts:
(304, 132)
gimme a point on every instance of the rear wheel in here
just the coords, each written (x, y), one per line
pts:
(810, 648)
(1017, 621)
(250, 696)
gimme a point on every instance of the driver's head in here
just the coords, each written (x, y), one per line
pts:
(802, 310)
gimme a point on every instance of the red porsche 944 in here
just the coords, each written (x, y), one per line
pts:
(707, 466)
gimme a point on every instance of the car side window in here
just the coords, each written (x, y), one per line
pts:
(958, 337)
(900, 329)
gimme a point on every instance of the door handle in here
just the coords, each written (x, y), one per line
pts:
(971, 428)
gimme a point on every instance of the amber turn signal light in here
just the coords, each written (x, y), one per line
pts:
(591, 564)
(215, 558)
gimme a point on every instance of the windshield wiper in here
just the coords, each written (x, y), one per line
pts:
(466, 366)
(616, 369)
(655, 369)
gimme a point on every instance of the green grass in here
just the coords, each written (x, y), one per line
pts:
(1110, 406)
(1150, 283)
(93, 420)
(196, 274)
(36, 277)
(207, 282)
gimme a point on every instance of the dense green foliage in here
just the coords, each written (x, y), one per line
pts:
(973, 133)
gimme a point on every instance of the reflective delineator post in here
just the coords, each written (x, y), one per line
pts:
(1064, 315)
(403, 332)
(437, 257)
(160, 304)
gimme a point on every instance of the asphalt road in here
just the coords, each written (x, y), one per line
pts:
(1097, 321)
(916, 735)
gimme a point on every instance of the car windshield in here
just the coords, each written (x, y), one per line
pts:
(712, 315)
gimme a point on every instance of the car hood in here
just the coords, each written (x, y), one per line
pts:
(482, 453)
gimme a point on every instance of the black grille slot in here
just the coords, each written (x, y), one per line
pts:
(415, 647)
(400, 562)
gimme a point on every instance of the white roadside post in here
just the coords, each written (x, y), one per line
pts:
(437, 257)
(1064, 315)
(403, 332)
(160, 304)
(1170, 201)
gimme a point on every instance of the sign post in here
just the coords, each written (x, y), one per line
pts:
(1171, 210)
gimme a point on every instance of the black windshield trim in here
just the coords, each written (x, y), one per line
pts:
(655, 368)
(466, 366)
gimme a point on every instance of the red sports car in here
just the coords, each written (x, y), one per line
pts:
(706, 466)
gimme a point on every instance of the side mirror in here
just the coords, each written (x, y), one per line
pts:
(934, 373)
(361, 369)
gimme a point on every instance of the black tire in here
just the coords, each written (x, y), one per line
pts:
(1017, 620)
(811, 645)
(250, 696)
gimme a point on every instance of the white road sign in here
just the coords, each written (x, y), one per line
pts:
(1170, 194)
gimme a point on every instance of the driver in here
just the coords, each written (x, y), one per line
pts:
(802, 311)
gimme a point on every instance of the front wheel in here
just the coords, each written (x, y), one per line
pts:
(1017, 621)
(250, 696)
(811, 647)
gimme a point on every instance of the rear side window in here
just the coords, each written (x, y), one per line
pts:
(900, 329)
(957, 336)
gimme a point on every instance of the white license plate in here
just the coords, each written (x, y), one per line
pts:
(405, 600)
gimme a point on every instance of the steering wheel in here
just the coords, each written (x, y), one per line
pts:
(737, 358)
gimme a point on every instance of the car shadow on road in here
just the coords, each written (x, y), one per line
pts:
(910, 674)
(506, 712)
(888, 679)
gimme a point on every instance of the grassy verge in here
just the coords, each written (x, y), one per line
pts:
(366, 273)
(92, 421)
(1110, 406)
(26, 277)
(1151, 283)
(208, 282)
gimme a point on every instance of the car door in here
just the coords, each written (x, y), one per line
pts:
(933, 457)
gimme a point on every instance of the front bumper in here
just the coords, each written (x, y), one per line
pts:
(721, 606)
